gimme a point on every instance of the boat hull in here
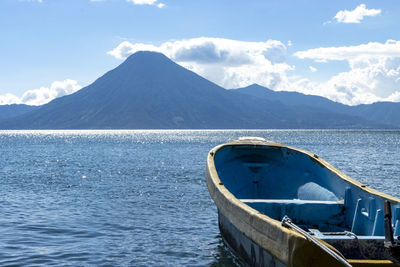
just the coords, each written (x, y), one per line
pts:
(260, 240)
(245, 248)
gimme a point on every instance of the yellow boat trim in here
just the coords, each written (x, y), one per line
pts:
(372, 263)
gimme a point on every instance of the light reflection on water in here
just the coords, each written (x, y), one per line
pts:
(139, 197)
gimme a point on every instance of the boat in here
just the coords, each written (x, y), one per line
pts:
(283, 206)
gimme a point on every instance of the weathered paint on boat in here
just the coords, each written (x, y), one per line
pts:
(254, 183)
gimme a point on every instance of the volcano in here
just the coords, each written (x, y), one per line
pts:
(150, 91)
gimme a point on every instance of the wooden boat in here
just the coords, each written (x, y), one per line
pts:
(282, 206)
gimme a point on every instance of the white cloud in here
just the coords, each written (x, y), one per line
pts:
(373, 49)
(312, 69)
(8, 99)
(42, 95)
(39, 1)
(125, 49)
(356, 15)
(229, 63)
(142, 2)
(374, 73)
(368, 81)
(147, 2)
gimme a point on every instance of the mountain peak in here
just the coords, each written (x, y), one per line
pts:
(256, 86)
(148, 63)
(147, 56)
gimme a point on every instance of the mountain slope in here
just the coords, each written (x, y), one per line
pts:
(14, 110)
(149, 91)
(384, 112)
(293, 98)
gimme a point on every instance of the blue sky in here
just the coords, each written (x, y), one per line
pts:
(348, 51)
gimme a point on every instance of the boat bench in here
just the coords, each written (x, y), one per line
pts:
(303, 212)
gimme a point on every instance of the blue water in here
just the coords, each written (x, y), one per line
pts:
(139, 198)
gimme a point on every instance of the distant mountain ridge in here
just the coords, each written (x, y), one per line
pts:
(149, 91)
(383, 112)
(292, 98)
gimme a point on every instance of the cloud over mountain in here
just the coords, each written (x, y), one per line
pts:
(8, 99)
(229, 63)
(374, 73)
(150, 91)
(42, 95)
(390, 48)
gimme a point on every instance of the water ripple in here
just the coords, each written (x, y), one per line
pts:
(138, 198)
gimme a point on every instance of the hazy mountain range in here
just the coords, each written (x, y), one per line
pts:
(383, 112)
(149, 91)
(14, 110)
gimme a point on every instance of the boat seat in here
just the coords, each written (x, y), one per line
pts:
(303, 212)
(313, 191)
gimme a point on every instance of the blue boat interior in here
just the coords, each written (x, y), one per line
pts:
(279, 181)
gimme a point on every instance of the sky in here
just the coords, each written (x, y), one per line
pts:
(347, 51)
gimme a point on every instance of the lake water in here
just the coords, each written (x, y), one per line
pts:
(139, 198)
